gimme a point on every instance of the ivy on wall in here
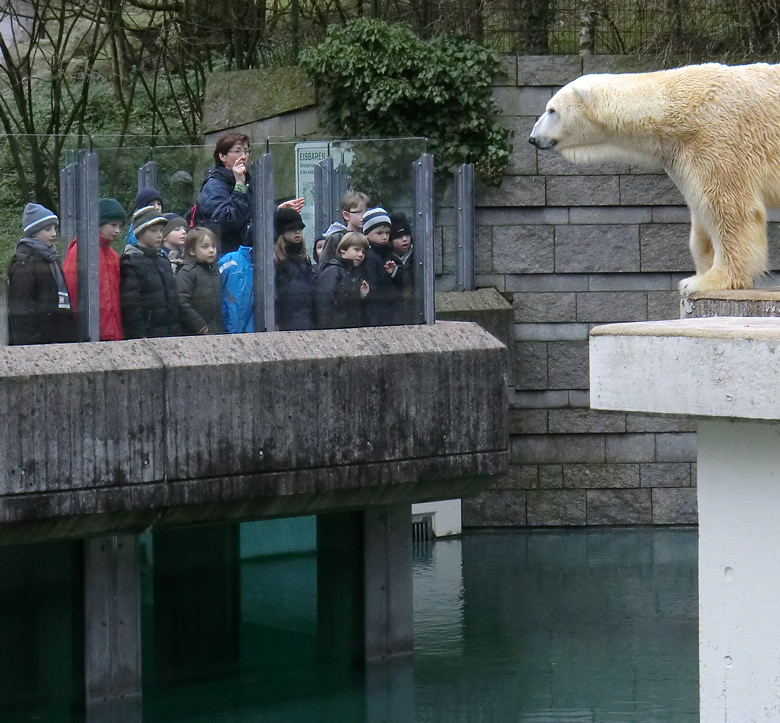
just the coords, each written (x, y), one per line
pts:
(382, 80)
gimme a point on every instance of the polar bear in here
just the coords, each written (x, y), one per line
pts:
(715, 129)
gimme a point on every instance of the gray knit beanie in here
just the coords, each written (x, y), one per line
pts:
(37, 217)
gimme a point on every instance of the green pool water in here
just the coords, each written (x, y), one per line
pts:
(568, 626)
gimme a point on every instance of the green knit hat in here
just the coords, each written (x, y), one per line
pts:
(109, 209)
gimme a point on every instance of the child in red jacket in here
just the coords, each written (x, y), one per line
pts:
(111, 217)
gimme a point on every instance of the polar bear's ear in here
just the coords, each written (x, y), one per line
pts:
(582, 91)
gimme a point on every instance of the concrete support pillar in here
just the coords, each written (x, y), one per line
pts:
(364, 583)
(197, 604)
(112, 629)
(725, 371)
(739, 569)
(340, 586)
(388, 581)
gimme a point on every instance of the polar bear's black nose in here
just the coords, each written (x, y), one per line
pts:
(532, 140)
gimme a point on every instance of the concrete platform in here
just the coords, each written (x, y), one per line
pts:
(122, 436)
(724, 371)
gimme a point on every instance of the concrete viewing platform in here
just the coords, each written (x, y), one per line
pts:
(124, 436)
(725, 372)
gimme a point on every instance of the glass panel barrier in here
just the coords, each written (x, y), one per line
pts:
(320, 172)
(352, 286)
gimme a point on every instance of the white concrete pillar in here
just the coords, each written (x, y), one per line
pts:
(739, 570)
(726, 372)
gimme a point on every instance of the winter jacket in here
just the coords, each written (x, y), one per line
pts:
(224, 210)
(174, 257)
(200, 298)
(294, 294)
(408, 291)
(149, 299)
(130, 239)
(108, 287)
(383, 304)
(336, 231)
(338, 302)
(236, 271)
(35, 315)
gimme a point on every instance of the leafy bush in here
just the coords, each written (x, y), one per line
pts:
(382, 80)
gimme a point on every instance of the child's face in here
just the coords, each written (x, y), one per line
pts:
(157, 205)
(293, 235)
(379, 235)
(355, 254)
(151, 237)
(353, 219)
(206, 251)
(319, 246)
(176, 238)
(401, 244)
(47, 234)
(111, 230)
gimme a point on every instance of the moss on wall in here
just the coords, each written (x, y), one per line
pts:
(242, 96)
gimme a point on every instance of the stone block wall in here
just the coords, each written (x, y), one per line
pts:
(571, 248)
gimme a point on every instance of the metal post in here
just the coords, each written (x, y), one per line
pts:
(422, 225)
(464, 228)
(323, 195)
(68, 203)
(339, 188)
(264, 207)
(147, 175)
(87, 258)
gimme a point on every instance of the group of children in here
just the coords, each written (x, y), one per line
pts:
(167, 282)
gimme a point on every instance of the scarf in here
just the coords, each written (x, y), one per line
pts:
(49, 255)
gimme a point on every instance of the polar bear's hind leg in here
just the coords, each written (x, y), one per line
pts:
(739, 251)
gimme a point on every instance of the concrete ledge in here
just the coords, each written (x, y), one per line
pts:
(486, 307)
(713, 367)
(248, 426)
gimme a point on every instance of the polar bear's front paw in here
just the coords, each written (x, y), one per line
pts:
(689, 285)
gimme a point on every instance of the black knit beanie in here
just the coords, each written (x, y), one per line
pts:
(146, 197)
(399, 226)
(287, 219)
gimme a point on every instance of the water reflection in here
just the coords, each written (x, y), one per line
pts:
(567, 626)
(510, 626)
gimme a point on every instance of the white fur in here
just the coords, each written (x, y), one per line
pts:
(715, 129)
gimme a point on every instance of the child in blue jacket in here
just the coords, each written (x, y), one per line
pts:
(236, 271)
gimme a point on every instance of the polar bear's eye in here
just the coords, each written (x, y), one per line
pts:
(551, 110)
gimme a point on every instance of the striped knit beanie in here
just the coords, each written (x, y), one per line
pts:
(375, 217)
(37, 217)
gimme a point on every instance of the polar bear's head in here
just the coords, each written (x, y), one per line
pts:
(570, 123)
(606, 117)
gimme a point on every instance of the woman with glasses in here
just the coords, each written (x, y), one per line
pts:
(225, 203)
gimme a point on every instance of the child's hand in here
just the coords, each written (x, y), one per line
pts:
(390, 267)
(364, 289)
(296, 204)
